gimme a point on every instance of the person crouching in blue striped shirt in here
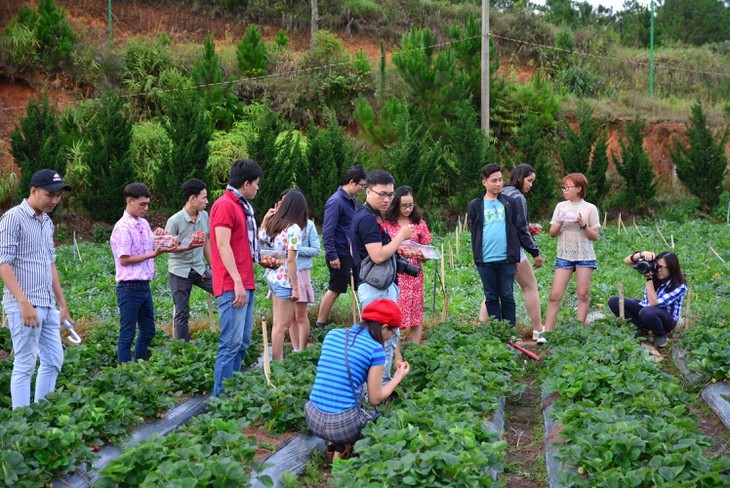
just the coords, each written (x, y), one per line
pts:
(349, 358)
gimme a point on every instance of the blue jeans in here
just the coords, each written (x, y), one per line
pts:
(498, 280)
(29, 343)
(236, 328)
(135, 308)
(368, 293)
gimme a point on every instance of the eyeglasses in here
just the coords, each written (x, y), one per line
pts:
(383, 195)
(565, 187)
(363, 185)
(406, 206)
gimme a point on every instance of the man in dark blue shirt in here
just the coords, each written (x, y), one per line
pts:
(338, 213)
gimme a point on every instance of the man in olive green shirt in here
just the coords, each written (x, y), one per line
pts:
(185, 265)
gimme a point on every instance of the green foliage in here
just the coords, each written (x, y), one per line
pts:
(19, 42)
(329, 154)
(251, 53)
(148, 70)
(601, 375)
(707, 343)
(635, 168)
(701, 163)
(217, 97)
(581, 81)
(531, 146)
(108, 158)
(54, 34)
(534, 99)
(37, 142)
(102, 233)
(8, 182)
(694, 21)
(576, 150)
(151, 147)
(189, 129)
(598, 184)
(634, 25)
(281, 39)
(381, 128)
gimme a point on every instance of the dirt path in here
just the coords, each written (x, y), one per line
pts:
(523, 430)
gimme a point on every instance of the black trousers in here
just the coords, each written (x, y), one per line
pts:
(181, 288)
(654, 319)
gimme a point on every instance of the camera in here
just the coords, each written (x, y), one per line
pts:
(402, 266)
(643, 266)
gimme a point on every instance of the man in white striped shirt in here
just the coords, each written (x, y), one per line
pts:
(32, 288)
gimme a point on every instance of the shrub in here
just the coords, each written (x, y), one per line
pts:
(251, 53)
(54, 34)
(635, 168)
(19, 42)
(37, 142)
(575, 151)
(598, 187)
(150, 146)
(380, 128)
(701, 162)
(146, 68)
(109, 159)
(189, 129)
(102, 233)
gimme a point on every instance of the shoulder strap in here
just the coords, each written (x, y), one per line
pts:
(347, 364)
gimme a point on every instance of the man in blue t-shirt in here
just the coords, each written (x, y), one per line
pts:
(369, 238)
(498, 230)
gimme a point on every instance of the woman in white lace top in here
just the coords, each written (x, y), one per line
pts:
(575, 223)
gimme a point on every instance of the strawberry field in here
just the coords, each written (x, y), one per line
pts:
(622, 419)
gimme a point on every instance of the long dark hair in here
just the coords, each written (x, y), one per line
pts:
(293, 210)
(393, 212)
(375, 329)
(518, 175)
(676, 277)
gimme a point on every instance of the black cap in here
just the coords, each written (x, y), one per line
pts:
(48, 180)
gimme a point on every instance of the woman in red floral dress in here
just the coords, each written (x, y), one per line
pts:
(403, 211)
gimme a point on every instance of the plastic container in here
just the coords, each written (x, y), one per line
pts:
(410, 249)
(165, 241)
(535, 229)
(272, 259)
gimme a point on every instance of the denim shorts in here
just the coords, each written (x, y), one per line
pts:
(279, 291)
(565, 264)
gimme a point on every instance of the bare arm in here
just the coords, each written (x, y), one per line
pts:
(377, 392)
(380, 253)
(139, 258)
(291, 266)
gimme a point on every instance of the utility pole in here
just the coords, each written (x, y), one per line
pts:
(651, 52)
(109, 14)
(485, 67)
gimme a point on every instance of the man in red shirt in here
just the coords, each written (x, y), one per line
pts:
(234, 250)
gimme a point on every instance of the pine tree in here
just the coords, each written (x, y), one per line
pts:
(575, 151)
(635, 168)
(216, 92)
(54, 34)
(701, 163)
(109, 158)
(597, 181)
(251, 53)
(189, 128)
(417, 162)
(37, 142)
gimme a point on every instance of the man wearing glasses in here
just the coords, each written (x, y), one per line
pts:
(133, 246)
(370, 239)
(338, 213)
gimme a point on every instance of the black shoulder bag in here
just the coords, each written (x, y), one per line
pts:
(364, 415)
(382, 275)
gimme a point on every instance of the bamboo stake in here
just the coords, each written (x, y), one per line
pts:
(618, 223)
(4, 323)
(605, 216)
(466, 222)
(443, 269)
(211, 317)
(687, 308)
(458, 224)
(671, 238)
(621, 300)
(445, 309)
(660, 234)
(451, 256)
(76, 246)
(174, 330)
(718, 256)
(267, 363)
(458, 241)
(637, 228)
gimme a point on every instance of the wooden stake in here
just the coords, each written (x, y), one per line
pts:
(174, 330)
(656, 226)
(76, 246)
(267, 362)
(718, 256)
(443, 269)
(451, 256)
(445, 309)
(458, 224)
(671, 238)
(4, 323)
(458, 242)
(621, 300)
(637, 228)
(605, 216)
(466, 222)
(618, 223)
(211, 317)
(687, 322)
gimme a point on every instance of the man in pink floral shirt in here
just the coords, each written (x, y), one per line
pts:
(132, 243)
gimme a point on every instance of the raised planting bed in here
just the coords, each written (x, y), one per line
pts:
(624, 422)
(439, 431)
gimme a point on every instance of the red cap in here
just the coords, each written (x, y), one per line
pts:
(383, 311)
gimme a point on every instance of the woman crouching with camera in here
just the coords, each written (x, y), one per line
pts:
(349, 358)
(661, 306)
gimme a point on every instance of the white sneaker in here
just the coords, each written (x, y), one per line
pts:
(538, 338)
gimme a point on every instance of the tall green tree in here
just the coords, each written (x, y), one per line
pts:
(210, 82)
(597, 181)
(575, 151)
(634, 25)
(37, 142)
(329, 154)
(108, 158)
(633, 165)
(54, 34)
(189, 127)
(695, 22)
(251, 53)
(700, 158)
